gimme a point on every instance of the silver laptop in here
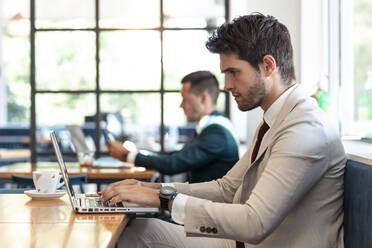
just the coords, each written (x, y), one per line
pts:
(80, 144)
(90, 203)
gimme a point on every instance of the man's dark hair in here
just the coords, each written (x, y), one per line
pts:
(202, 81)
(252, 37)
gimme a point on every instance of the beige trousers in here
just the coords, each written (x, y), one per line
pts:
(154, 233)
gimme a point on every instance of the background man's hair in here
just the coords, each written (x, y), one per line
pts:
(252, 37)
(202, 81)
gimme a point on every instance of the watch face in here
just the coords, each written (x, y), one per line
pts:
(167, 190)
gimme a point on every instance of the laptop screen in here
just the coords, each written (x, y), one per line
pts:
(78, 138)
(70, 189)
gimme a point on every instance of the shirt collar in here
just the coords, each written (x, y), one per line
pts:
(273, 111)
(200, 126)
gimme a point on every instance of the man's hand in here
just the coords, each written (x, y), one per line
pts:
(132, 191)
(135, 182)
(116, 150)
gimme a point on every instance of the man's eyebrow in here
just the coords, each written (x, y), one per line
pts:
(229, 69)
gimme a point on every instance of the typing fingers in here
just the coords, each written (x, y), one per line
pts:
(107, 195)
(116, 184)
(115, 189)
(117, 198)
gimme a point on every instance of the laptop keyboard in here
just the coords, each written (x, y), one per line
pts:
(95, 203)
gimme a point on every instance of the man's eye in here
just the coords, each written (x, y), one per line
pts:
(233, 73)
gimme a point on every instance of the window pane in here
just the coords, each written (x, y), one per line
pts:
(363, 66)
(129, 14)
(173, 113)
(221, 106)
(129, 60)
(356, 99)
(194, 13)
(174, 119)
(140, 114)
(65, 60)
(14, 77)
(15, 64)
(14, 73)
(63, 109)
(64, 14)
(185, 52)
(54, 111)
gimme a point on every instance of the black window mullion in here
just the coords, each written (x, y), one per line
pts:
(162, 126)
(33, 83)
(227, 95)
(98, 110)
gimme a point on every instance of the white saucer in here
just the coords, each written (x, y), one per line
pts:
(44, 196)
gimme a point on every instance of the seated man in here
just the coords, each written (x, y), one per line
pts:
(286, 191)
(207, 156)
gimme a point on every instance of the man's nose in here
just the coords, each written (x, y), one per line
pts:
(228, 85)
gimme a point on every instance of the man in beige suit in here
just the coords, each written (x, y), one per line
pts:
(286, 191)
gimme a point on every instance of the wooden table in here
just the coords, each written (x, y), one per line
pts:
(26, 169)
(52, 223)
(99, 176)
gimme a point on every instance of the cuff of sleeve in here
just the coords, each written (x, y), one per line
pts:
(131, 157)
(168, 184)
(178, 208)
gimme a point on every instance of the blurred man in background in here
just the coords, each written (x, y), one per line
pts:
(211, 153)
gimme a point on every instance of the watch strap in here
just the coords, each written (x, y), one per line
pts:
(171, 199)
(164, 201)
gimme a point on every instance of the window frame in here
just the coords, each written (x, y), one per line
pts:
(341, 67)
(97, 30)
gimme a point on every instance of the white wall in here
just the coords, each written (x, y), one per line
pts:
(304, 20)
(287, 12)
(313, 62)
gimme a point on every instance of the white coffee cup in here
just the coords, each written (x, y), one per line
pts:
(47, 181)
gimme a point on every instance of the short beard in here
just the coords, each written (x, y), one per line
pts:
(256, 95)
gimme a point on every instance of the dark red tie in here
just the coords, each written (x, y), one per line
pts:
(263, 129)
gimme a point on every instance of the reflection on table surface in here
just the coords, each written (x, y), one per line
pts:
(52, 223)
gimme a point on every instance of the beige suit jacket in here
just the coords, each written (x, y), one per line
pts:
(290, 196)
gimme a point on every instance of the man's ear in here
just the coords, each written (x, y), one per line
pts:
(268, 65)
(204, 96)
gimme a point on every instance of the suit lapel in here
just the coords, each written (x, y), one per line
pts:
(292, 100)
(251, 173)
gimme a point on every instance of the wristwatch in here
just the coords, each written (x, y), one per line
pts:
(166, 194)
